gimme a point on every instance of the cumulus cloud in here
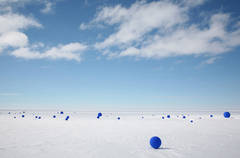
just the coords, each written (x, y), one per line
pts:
(71, 51)
(12, 36)
(11, 28)
(164, 29)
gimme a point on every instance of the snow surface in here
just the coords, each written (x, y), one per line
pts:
(85, 136)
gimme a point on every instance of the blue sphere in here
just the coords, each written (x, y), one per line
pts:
(54, 116)
(163, 117)
(118, 118)
(191, 121)
(184, 117)
(67, 118)
(155, 142)
(36, 117)
(61, 112)
(39, 117)
(99, 114)
(168, 116)
(226, 114)
(23, 116)
(211, 115)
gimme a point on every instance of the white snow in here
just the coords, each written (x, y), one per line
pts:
(85, 136)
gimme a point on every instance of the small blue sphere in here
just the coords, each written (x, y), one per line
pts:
(163, 117)
(191, 121)
(184, 117)
(168, 116)
(36, 117)
(98, 117)
(67, 118)
(54, 116)
(211, 115)
(61, 112)
(226, 114)
(155, 142)
(23, 116)
(118, 118)
(39, 117)
(14, 116)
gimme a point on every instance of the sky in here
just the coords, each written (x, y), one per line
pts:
(119, 54)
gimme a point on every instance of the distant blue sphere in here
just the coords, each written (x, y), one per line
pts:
(98, 117)
(67, 118)
(54, 116)
(227, 114)
(118, 118)
(155, 142)
(211, 115)
(163, 117)
(36, 117)
(184, 117)
(14, 116)
(23, 116)
(61, 112)
(39, 117)
(168, 116)
(191, 121)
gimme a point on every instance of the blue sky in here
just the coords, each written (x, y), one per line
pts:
(119, 54)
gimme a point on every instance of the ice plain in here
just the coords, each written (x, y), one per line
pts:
(85, 136)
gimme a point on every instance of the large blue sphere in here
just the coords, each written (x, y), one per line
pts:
(227, 114)
(168, 116)
(155, 142)
(99, 114)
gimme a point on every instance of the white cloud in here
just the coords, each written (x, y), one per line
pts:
(16, 22)
(139, 19)
(83, 26)
(70, 51)
(164, 29)
(210, 60)
(11, 28)
(48, 8)
(13, 39)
